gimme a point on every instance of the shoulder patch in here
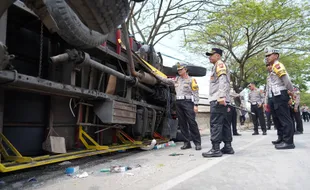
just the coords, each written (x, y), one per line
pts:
(221, 69)
(279, 69)
(194, 85)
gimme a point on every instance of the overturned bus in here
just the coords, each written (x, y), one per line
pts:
(73, 83)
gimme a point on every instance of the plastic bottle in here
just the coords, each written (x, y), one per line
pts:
(105, 170)
(172, 143)
(118, 169)
(72, 170)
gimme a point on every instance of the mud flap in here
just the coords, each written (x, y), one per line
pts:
(169, 128)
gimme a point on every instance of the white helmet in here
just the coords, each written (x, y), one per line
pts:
(270, 50)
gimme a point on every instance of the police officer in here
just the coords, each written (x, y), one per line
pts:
(304, 110)
(280, 88)
(219, 98)
(233, 112)
(242, 113)
(256, 99)
(268, 98)
(187, 98)
(295, 112)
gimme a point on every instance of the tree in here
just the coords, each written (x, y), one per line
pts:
(298, 67)
(153, 20)
(246, 27)
(304, 99)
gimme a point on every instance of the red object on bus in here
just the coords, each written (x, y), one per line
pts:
(118, 40)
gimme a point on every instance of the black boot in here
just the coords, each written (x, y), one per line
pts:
(227, 149)
(198, 147)
(284, 145)
(255, 133)
(236, 134)
(187, 145)
(264, 133)
(214, 152)
(278, 141)
(298, 133)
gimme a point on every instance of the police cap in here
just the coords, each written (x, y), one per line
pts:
(181, 65)
(215, 50)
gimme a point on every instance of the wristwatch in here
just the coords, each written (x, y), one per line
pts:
(196, 104)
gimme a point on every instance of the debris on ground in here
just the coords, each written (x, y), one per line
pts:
(116, 169)
(33, 179)
(151, 146)
(169, 144)
(138, 166)
(64, 163)
(83, 175)
(175, 154)
(161, 165)
(72, 170)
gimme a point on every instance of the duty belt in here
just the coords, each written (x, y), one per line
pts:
(184, 97)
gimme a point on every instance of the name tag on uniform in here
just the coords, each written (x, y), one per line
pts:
(276, 91)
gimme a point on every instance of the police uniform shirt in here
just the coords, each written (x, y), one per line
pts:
(233, 95)
(186, 88)
(256, 97)
(304, 108)
(296, 100)
(268, 89)
(279, 79)
(219, 82)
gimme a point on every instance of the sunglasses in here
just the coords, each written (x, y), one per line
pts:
(268, 55)
(267, 65)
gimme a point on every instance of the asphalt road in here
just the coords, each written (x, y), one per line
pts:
(255, 165)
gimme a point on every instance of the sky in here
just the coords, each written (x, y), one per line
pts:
(173, 47)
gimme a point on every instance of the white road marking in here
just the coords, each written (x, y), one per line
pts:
(179, 179)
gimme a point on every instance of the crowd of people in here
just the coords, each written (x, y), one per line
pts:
(305, 113)
(278, 103)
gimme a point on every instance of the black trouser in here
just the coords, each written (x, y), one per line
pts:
(219, 124)
(282, 117)
(305, 116)
(268, 116)
(297, 118)
(292, 116)
(232, 118)
(273, 114)
(242, 119)
(187, 122)
(258, 115)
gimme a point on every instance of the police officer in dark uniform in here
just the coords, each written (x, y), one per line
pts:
(295, 112)
(280, 88)
(187, 95)
(256, 99)
(219, 98)
(232, 114)
(268, 99)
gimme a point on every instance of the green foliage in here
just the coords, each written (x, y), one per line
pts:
(246, 27)
(296, 65)
(304, 98)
